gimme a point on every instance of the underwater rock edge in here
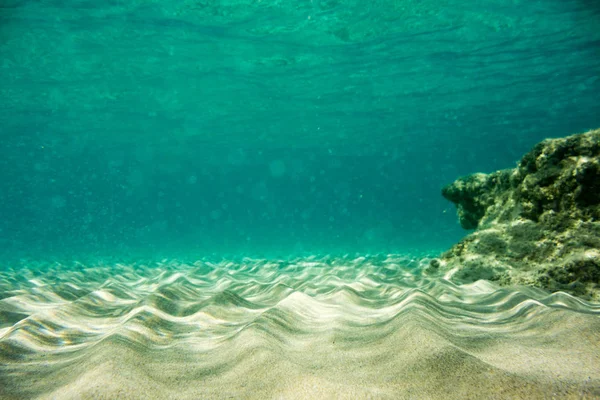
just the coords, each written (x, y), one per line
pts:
(537, 224)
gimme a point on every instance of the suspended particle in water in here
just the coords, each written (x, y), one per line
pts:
(277, 168)
(58, 201)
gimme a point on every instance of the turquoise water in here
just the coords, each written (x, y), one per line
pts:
(204, 199)
(273, 127)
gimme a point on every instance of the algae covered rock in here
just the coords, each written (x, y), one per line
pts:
(537, 224)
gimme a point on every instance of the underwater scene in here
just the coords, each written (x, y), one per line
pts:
(299, 199)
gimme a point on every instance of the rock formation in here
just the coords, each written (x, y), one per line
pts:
(537, 224)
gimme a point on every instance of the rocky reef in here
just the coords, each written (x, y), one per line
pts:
(537, 224)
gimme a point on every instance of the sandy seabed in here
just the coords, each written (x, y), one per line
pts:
(311, 328)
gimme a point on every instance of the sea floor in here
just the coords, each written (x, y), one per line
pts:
(310, 328)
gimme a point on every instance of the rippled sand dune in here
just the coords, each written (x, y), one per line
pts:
(322, 328)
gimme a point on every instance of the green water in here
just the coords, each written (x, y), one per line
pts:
(273, 127)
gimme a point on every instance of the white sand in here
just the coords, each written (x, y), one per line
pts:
(336, 329)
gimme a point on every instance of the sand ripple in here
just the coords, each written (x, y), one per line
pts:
(368, 327)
